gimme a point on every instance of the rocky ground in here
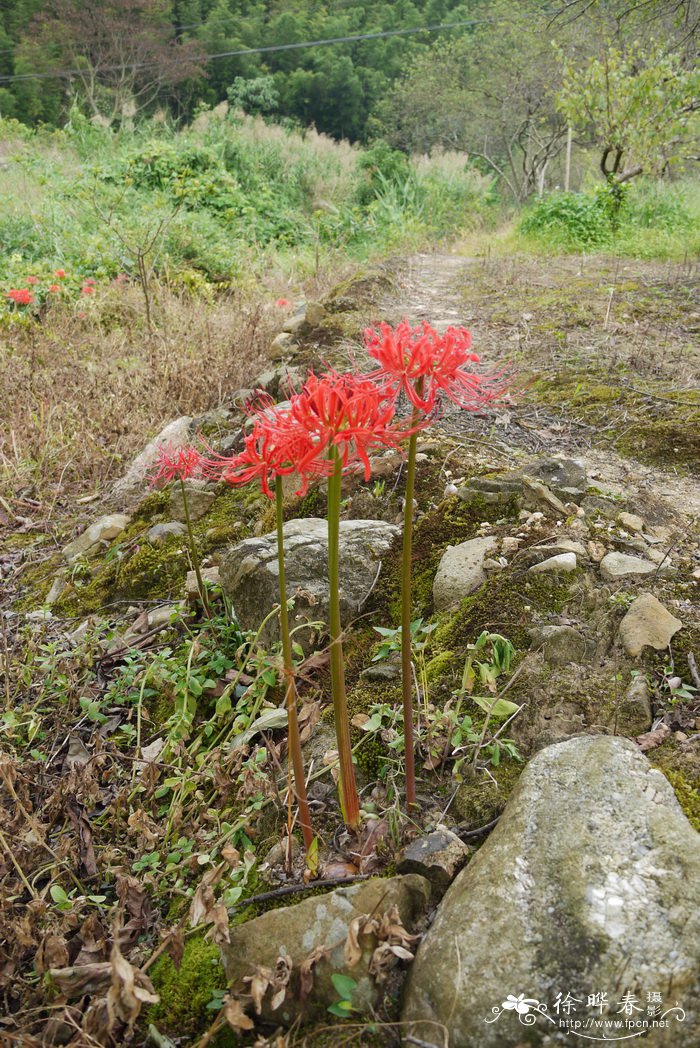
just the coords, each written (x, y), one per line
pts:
(142, 763)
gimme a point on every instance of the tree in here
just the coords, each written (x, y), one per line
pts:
(639, 108)
(122, 54)
(490, 93)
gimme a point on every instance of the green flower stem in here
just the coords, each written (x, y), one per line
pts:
(406, 653)
(289, 683)
(193, 550)
(349, 800)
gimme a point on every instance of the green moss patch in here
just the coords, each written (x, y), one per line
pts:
(186, 991)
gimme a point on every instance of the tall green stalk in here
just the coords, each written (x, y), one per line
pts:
(406, 653)
(290, 696)
(193, 549)
(349, 800)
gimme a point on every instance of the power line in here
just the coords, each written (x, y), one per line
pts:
(261, 50)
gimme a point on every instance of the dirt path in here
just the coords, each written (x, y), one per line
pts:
(589, 322)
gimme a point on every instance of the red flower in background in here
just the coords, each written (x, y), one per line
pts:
(61, 274)
(90, 281)
(177, 463)
(87, 289)
(283, 303)
(21, 296)
(422, 363)
(32, 280)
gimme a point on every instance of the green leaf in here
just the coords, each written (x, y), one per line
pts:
(501, 709)
(342, 1009)
(344, 985)
(59, 897)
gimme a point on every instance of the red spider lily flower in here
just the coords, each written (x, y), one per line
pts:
(352, 413)
(87, 289)
(283, 303)
(89, 281)
(54, 288)
(32, 280)
(275, 447)
(177, 463)
(60, 273)
(422, 364)
(21, 296)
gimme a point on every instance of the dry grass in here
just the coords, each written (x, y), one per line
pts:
(82, 393)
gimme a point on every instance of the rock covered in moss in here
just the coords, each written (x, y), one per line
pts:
(561, 645)
(461, 571)
(249, 572)
(160, 532)
(96, 536)
(297, 932)
(647, 624)
(199, 501)
(589, 884)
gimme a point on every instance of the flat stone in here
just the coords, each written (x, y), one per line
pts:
(461, 571)
(438, 857)
(561, 645)
(160, 532)
(164, 616)
(249, 573)
(615, 566)
(631, 522)
(294, 932)
(537, 554)
(175, 435)
(209, 575)
(58, 588)
(282, 345)
(562, 562)
(199, 501)
(647, 624)
(96, 536)
(589, 884)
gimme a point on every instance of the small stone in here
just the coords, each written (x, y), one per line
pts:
(175, 435)
(95, 536)
(596, 551)
(58, 588)
(647, 624)
(510, 544)
(438, 857)
(696, 573)
(40, 615)
(461, 572)
(631, 522)
(562, 562)
(537, 554)
(160, 532)
(388, 669)
(662, 557)
(209, 575)
(199, 501)
(615, 566)
(282, 346)
(633, 714)
(164, 615)
(561, 645)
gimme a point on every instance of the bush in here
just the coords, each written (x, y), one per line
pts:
(569, 220)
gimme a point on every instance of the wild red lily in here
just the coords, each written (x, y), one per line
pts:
(275, 448)
(32, 280)
(21, 296)
(181, 464)
(60, 273)
(345, 416)
(424, 365)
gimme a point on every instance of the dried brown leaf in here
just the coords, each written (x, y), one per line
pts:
(130, 989)
(236, 1017)
(306, 971)
(52, 953)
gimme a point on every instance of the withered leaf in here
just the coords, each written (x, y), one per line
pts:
(130, 989)
(52, 953)
(81, 979)
(236, 1017)
(176, 947)
(306, 971)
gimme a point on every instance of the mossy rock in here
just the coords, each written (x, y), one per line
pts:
(479, 799)
(682, 769)
(185, 992)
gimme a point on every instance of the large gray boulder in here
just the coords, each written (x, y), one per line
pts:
(249, 572)
(590, 884)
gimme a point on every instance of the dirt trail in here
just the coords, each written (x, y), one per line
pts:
(611, 308)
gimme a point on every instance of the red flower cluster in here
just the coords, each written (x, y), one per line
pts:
(283, 303)
(177, 463)
(32, 280)
(422, 363)
(348, 413)
(21, 296)
(61, 274)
